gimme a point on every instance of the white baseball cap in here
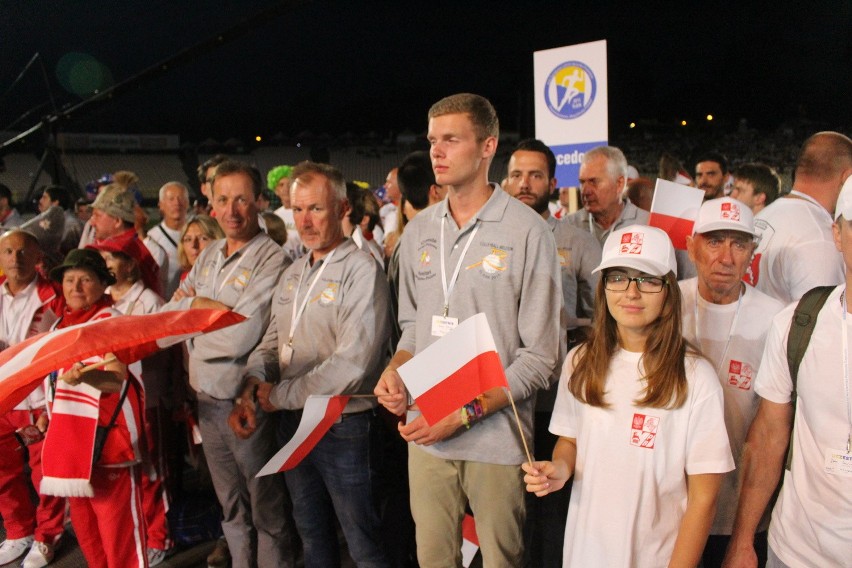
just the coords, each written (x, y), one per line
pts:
(724, 214)
(844, 202)
(642, 247)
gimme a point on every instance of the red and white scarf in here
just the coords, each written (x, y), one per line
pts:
(69, 447)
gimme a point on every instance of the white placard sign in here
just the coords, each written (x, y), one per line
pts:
(571, 103)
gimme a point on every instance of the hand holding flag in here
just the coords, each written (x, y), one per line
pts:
(454, 370)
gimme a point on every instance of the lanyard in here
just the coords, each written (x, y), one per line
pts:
(845, 335)
(448, 290)
(297, 314)
(730, 331)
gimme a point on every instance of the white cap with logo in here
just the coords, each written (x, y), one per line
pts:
(642, 247)
(844, 202)
(724, 214)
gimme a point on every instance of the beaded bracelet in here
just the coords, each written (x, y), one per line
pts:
(473, 411)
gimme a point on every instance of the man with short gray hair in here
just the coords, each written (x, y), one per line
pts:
(728, 320)
(327, 335)
(603, 175)
(174, 205)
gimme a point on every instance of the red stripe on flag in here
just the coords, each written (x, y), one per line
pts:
(483, 372)
(676, 227)
(335, 407)
(469, 530)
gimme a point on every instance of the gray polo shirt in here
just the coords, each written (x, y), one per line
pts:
(579, 254)
(244, 281)
(510, 273)
(340, 341)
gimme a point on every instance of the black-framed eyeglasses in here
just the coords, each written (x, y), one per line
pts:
(645, 284)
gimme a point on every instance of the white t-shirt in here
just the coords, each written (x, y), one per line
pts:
(629, 494)
(156, 369)
(161, 234)
(796, 250)
(736, 373)
(812, 520)
(387, 214)
(293, 246)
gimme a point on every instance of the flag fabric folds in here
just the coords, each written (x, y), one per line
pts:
(470, 542)
(130, 338)
(675, 209)
(320, 412)
(454, 370)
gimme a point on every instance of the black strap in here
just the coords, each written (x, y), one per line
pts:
(103, 431)
(802, 327)
(165, 234)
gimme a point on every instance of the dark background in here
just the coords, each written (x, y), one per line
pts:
(360, 66)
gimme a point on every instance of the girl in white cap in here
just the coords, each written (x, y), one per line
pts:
(640, 420)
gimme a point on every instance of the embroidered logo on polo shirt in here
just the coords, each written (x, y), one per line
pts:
(564, 257)
(328, 294)
(240, 281)
(740, 375)
(631, 243)
(492, 263)
(643, 431)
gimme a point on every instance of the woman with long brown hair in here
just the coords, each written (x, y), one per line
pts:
(639, 416)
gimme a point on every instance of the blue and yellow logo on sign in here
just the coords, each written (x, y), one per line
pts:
(570, 90)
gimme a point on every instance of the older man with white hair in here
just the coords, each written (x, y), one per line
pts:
(174, 206)
(729, 321)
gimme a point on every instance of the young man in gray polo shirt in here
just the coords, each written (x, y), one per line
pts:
(508, 269)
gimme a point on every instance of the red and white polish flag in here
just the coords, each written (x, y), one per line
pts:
(675, 209)
(470, 542)
(320, 412)
(454, 370)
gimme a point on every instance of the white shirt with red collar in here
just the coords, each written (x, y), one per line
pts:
(25, 314)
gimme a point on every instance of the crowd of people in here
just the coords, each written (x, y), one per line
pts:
(653, 385)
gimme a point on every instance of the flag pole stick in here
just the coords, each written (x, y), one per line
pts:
(520, 429)
(99, 364)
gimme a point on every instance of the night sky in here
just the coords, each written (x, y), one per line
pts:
(334, 66)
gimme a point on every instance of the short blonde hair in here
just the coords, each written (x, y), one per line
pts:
(478, 108)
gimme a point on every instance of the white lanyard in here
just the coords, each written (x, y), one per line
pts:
(845, 335)
(730, 331)
(297, 314)
(448, 290)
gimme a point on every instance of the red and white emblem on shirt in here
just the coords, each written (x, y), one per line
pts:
(631, 243)
(730, 211)
(740, 375)
(644, 430)
(752, 274)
